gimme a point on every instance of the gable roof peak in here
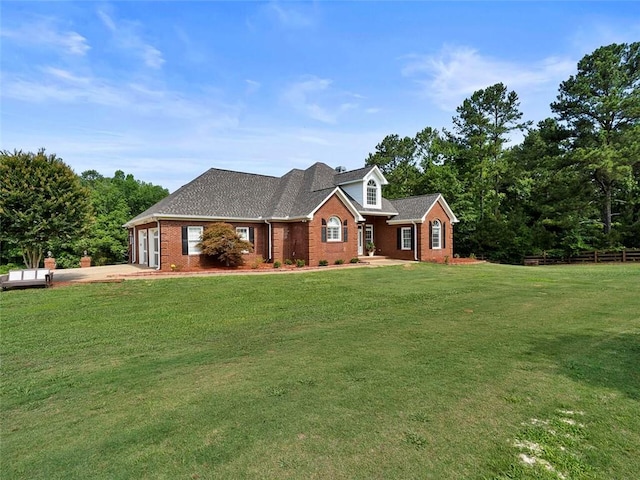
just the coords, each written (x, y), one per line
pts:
(359, 174)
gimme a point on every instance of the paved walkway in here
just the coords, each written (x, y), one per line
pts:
(113, 273)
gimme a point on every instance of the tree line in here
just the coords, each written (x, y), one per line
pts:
(572, 184)
(45, 206)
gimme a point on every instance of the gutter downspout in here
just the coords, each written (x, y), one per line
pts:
(269, 247)
(134, 246)
(415, 241)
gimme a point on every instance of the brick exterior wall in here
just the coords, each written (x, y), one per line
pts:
(427, 254)
(301, 240)
(385, 237)
(171, 245)
(332, 251)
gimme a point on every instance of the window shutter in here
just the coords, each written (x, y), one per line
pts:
(251, 235)
(430, 235)
(324, 230)
(345, 232)
(399, 235)
(413, 240)
(444, 236)
(185, 241)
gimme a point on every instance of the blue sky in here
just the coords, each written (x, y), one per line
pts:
(166, 90)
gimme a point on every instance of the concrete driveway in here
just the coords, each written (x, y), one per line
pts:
(114, 273)
(98, 274)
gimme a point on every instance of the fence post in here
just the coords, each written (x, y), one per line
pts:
(624, 255)
(595, 256)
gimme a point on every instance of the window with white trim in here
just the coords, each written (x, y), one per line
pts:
(436, 236)
(194, 235)
(333, 229)
(372, 193)
(243, 233)
(406, 238)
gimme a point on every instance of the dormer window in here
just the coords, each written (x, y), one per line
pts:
(372, 193)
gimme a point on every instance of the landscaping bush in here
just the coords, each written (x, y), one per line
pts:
(257, 262)
(66, 260)
(220, 241)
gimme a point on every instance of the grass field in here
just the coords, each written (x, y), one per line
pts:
(427, 371)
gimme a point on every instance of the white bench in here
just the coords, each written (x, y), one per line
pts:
(32, 277)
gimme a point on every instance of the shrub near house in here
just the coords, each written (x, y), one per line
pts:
(220, 241)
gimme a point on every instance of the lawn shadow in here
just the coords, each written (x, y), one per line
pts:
(610, 361)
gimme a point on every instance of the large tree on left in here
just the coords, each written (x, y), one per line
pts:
(41, 199)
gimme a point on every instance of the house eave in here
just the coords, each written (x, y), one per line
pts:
(338, 191)
(452, 218)
(377, 213)
(197, 218)
(405, 221)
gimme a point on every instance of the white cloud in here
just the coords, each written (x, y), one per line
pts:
(252, 86)
(58, 86)
(44, 32)
(125, 35)
(290, 17)
(313, 97)
(454, 73)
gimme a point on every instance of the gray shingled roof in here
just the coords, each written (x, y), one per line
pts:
(221, 194)
(226, 194)
(387, 207)
(351, 175)
(413, 208)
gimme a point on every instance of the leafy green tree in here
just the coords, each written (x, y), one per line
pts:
(548, 193)
(395, 157)
(220, 241)
(483, 127)
(601, 106)
(139, 195)
(41, 199)
(115, 201)
(106, 240)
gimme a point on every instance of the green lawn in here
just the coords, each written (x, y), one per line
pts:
(428, 371)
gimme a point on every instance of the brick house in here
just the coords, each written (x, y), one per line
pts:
(315, 214)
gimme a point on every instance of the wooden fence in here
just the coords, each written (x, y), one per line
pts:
(585, 257)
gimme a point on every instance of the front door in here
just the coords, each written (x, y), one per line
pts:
(154, 247)
(368, 235)
(360, 241)
(142, 247)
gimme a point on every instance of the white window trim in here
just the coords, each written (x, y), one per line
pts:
(366, 193)
(368, 234)
(434, 245)
(404, 238)
(194, 236)
(334, 229)
(243, 233)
